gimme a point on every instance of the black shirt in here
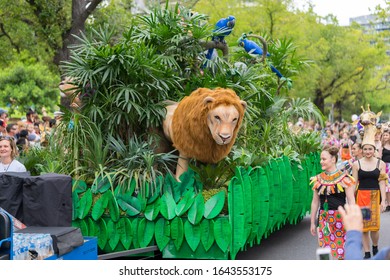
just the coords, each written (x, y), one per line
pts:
(368, 180)
(386, 155)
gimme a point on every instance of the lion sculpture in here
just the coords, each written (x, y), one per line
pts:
(68, 90)
(204, 125)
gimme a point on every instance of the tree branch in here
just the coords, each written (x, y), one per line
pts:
(350, 77)
(91, 7)
(216, 45)
(4, 33)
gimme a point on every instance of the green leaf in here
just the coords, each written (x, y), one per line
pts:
(153, 197)
(83, 225)
(195, 213)
(130, 204)
(85, 204)
(246, 183)
(222, 233)
(79, 186)
(99, 207)
(236, 216)
(128, 186)
(93, 228)
(145, 232)
(207, 233)
(152, 210)
(134, 226)
(187, 180)
(113, 207)
(214, 205)
(192, 235)
(102, 234)
(142, 201)
(185, 203)
(100, 185)
(169, 184)
(167, 206)
(75, 208)
(113, 236)
(177, 232)
(162, 233)
(125, 232)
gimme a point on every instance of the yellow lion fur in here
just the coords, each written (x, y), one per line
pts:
(68, 89)
(191, 134)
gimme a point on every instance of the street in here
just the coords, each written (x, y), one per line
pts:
(295, 242)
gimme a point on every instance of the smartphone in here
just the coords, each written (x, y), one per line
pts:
(323, 253)
(366, 212)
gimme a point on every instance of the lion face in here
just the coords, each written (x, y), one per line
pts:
(222, 121)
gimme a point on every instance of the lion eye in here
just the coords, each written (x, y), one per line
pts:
(218, 118)
(235, 119)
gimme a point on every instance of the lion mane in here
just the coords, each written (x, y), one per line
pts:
(191, 135)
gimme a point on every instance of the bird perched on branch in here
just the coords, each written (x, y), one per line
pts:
(223, 28)
(252, 48)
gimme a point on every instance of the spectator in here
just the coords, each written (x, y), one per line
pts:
(4, 116)
(354, 135)
(30, 117)
(378, 143)
(22, 143)
(3, 130)
(13, 130)
(32, 137)
(329, 139)
(353, 222)
(8, 154)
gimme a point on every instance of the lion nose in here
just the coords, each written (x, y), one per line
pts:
(224, 137)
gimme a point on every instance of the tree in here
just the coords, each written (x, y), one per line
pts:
(53, 19)
(28, 84)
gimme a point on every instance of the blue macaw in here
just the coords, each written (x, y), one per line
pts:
(253, 48)
(223, 28)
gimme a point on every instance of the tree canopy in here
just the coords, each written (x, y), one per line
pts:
(348, 66)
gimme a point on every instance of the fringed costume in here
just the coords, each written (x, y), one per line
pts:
(330, 187)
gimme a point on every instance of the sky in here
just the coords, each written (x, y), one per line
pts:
(344, 9)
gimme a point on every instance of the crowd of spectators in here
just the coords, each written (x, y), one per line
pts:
(30, 130)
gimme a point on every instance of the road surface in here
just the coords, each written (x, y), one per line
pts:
(295, 242)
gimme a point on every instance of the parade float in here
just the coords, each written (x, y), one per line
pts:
(126, 190)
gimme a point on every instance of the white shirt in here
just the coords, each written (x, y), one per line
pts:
(14, 166)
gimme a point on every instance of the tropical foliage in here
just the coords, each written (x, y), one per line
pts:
(123, 83)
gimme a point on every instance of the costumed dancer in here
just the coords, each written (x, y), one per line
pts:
(345, 147)
(370, 175)
(385, 152)
(357, 153)
(331, 188)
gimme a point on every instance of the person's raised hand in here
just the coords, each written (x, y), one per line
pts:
(352, 217)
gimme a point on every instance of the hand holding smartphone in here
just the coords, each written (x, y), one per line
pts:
(323, 253)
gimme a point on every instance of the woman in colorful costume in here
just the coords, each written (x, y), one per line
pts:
(345, 147)
(331, 189)
(370, 173)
